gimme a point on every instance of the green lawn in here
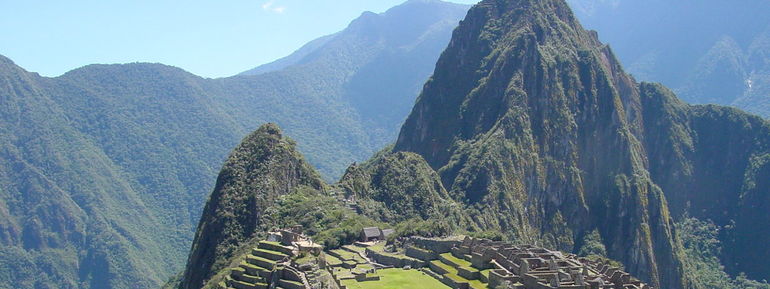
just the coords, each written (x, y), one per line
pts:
(398, 279)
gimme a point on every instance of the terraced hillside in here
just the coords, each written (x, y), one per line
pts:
(266, 266)
(455, 262)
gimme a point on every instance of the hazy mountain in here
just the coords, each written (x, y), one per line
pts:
(292, 59)
(105, 169)
(706, 51)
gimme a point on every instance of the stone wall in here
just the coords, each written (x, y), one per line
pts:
(421, 254)
(393, 260)
(438, 245)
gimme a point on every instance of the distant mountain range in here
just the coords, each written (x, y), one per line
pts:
(707, 51)
(106, 168)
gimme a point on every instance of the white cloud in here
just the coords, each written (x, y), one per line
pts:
(270, 6)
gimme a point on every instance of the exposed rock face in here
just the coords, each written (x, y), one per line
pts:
(531, 119)
(263, 167)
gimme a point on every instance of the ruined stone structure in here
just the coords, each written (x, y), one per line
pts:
(458, 262)
(269, 264)
(530, 267)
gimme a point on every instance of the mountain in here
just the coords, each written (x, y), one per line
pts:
(707, 51)
(530, 130)
(265, 184)
(372, 70)
(72, 215)
(262, 168)
(105, 169)
(292, 59)
(530, 119)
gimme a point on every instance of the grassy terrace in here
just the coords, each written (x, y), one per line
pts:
(398, 279)
(348, 256)
(459, 262)
(380, 248)
(485, 273)
(270, 254)
(332, 261)
(453, 273)
(354, 248)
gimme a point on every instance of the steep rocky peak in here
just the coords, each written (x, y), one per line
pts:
(265, 166)
(506, 54)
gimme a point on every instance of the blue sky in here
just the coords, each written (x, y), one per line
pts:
(206, 37)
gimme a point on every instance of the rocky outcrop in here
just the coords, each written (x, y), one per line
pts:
(262, 168)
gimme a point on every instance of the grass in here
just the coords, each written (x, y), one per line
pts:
(354, 248)
(477, 284)
(445, 266)
(332, 261)
(379, 247)
(485, 272)
(347, 255)
(453, 273)
(273, 255)
(398, 279)
(459, 262)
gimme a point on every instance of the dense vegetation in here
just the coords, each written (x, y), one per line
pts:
(703, 248)
(707, 51)
(106, 168)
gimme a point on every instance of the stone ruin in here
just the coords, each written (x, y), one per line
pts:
(269, 265)
(531, 267)
(475, 263)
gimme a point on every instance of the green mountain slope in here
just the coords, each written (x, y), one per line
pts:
(105, 169)
(63, 196)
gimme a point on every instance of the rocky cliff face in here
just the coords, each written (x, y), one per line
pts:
(265, 166)
(532, 120)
